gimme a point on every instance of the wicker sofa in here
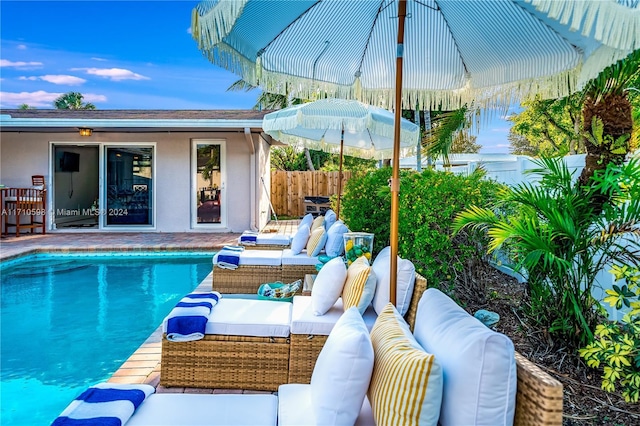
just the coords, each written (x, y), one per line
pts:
(264, 363)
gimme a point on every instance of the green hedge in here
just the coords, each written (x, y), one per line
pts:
(428, 203)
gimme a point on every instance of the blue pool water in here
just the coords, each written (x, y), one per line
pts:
(69, 321)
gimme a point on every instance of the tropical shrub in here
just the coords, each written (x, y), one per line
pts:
(428, 203)
(552, 233)
(617, 345)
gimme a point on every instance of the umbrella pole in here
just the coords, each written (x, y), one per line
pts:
(395, 179)
(340, 173)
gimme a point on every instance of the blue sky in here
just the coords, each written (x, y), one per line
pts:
(124, 55)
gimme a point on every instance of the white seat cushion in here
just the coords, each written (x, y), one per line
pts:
(172, 409)
(303, 321)
(261, 258)
(246, 317)
(295, 407)
(478, 364)
(257, 258)
(271, 239)
(288, 258)
(277, 239)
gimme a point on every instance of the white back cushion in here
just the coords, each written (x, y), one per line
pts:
(478, 364)
(335, 243)
(342, 372)
(306, 220)
(299, 241)
(405, 281)
(329, 219)
(328, 285)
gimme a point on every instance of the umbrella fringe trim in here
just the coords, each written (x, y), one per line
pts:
(335, 149)
(613, 24)
(351, 124)
(552, 86)
(212, 21)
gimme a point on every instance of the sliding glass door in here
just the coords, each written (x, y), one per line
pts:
(208, 183)
(129, 186)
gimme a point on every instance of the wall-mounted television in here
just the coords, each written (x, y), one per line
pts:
(70, 162)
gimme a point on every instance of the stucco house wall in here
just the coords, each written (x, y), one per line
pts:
(27, 152)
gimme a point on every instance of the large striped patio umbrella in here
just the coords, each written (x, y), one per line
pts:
(403, 53)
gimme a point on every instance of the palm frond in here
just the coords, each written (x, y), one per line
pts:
(477, 218)
(239, 85)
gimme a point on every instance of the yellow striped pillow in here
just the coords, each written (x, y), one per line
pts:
(360, 285)
(406, 385)
(316, 241)
(317, 222)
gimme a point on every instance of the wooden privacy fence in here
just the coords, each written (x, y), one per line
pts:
(288, 189)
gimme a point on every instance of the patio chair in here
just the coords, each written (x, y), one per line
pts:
(27, 207)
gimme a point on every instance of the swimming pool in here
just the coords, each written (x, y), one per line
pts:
(69, 321)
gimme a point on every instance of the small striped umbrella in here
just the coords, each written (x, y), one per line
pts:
(355, 128)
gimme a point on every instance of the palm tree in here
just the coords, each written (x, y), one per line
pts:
(72, 100)
(268, 100)
(606, 98)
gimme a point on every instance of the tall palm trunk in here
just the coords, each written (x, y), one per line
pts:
(607, 99)
(307, 156)
(615, 112)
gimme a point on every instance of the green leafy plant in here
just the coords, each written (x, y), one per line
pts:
(617, 345)
(428, 203)
(552, 234)
(597, 137)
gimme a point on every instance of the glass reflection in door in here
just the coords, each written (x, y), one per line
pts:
(129, 186)
(208, 181)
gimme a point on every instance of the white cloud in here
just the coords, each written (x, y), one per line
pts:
(93, 97)
(115, 74)
(99, 59)
(19, 64)
(63, 79)
(22, 47)
(57, 79)
(189, 31)
(40, 98)
(501, 129)
(35, 99)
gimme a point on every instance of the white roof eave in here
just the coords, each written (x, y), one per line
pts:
(7, 121)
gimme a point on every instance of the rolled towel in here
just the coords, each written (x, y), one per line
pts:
(104, 404)
(248, 239)
(229, 257)
(188, 320)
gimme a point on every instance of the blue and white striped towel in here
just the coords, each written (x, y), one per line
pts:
(188, 320)
(104, 404)
(249, 238)
(229, 257)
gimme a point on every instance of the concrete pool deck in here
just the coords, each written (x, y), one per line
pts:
(143, 366)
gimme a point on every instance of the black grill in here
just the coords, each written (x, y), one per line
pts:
(316, 205)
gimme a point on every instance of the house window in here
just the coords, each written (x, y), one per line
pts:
(208, 182)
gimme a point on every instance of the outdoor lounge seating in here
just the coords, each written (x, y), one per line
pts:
(264, 241)
(246, 346)
(257, 267)
(335, 397)
(27, 207)
(437, 323)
